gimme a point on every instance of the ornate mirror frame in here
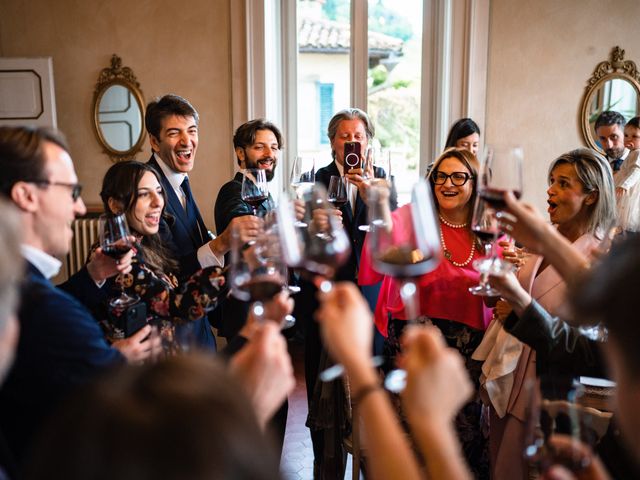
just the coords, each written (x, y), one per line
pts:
(116, 74)
(617, 67)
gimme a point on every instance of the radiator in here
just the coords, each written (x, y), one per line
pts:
(85, 234)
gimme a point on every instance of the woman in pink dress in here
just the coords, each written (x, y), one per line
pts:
(444, 298)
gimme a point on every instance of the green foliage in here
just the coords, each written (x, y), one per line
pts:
(337, 10)
(396, 115)
(378, 75)
(402, 83)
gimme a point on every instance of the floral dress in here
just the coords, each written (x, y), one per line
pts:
(168, 303)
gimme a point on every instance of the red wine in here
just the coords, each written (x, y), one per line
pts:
(338, 202)
(263, 288)
(404, 262)
(495, 197)
(255, 200)
(485, 236)
(116, 251)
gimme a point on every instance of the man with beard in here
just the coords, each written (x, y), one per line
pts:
(257, 144)
(609, 128)
(172, 124)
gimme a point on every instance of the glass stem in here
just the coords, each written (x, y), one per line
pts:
(409, 298)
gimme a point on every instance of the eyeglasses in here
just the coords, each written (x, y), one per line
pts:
(457, 178)
(76, 188)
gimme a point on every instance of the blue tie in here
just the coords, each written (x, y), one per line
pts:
(616, 164)
(192, 211)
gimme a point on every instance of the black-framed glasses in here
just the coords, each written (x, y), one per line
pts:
(76, 188)
(457, 178)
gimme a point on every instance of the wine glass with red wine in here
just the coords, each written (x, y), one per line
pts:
(115, 241)
(255, 188)
(500, 172)
(407, 254)
(337, 194)
(258, 271)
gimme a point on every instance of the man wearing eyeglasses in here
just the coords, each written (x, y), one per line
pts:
(61, 345)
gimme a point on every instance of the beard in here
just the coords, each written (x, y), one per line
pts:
(268, 172)
(614, 153)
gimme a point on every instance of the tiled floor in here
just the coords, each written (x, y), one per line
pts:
(297, 454)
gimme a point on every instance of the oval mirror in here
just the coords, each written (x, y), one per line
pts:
(118, 112)
(614, 85)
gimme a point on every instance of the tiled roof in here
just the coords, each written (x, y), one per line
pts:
(332, 37)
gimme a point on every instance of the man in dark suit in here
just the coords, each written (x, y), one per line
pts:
(349, 125)
(257, 144)
(61, 345)
(172, 124)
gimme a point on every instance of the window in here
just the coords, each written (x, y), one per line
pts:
(325, 110)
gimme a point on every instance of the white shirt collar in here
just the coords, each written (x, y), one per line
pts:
(175, 178)
(340, 168)
(625, 153)
(49, 266)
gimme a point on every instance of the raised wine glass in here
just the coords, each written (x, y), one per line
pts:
(257, 270)
(115, 241)
(337, 194)
(406, 255)
(303, 178)
(255, 188)
(500, 172)
(377, 172)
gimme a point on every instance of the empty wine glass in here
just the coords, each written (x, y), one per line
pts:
(115, 241)
(258, 271)
(255, 188)
(303, 178)
(337, 194)
(406, 254)
(377, 172)
(500, 172)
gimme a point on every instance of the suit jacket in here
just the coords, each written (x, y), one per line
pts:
(177, 233)
(231, 314)
(351, 219)
(229, 204)
(61, 347)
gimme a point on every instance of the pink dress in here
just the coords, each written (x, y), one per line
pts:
(443, 292)
(507, 433)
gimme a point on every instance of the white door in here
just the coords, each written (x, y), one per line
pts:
(26, 92)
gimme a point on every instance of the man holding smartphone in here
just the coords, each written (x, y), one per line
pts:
(349, 132)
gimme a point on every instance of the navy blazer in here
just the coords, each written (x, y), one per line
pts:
(176, 234)
(61, 346)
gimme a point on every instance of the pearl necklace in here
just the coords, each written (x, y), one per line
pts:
(452, 225)
(447, 253)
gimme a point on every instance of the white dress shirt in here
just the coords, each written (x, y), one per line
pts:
(206, 257)
(49, 266)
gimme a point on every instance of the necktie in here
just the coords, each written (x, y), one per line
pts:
(191, 210)
(616, 164)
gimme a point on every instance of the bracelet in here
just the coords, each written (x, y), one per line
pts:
(364, 391)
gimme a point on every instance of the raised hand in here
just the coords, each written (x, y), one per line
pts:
(264, 368)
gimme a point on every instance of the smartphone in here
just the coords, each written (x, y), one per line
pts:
(352, 156)
(134, 318)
